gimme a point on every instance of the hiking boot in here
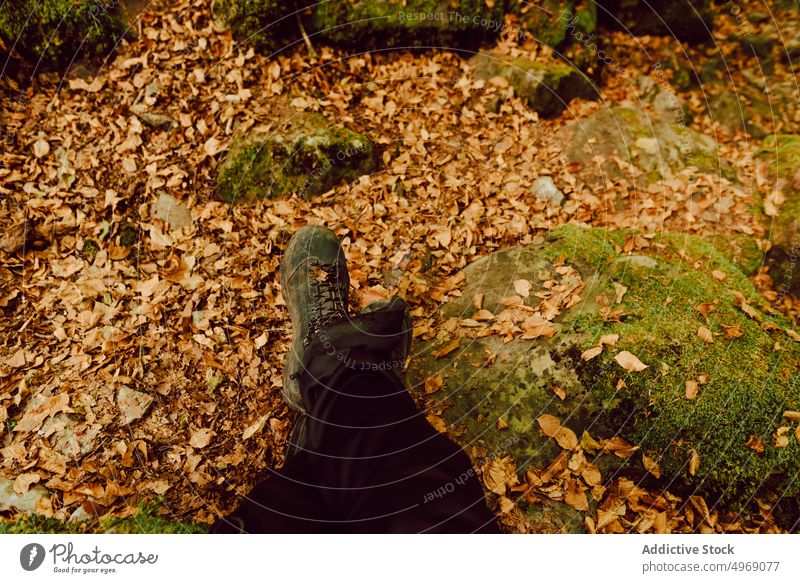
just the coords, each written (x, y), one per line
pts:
(315, 286)
(400, 353)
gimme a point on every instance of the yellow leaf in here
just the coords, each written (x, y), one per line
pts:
(446, 349)
(434, 383)
(651, 466)
(566, 438)
(705, 335)
(629, 362)
(549, 424)
(576, 497)
(591, 353)
(691, 390)
(694, 462)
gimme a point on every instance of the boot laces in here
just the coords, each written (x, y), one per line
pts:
(328, 301)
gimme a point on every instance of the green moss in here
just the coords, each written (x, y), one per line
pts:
(90, 249)
(267, 24)
(145, 521)
(306, 156)
(128, 234)
(749, 383)
(384, 24)
(547, 87)
(55, 31)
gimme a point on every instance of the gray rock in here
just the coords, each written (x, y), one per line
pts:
(545, 189)
(171, 211)
(303, 154)
(547, 87)
(26, 503)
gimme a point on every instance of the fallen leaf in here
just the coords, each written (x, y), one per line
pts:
(792, 334)
(23, 482)
(483, 316)
(201, 438)
(691, 390)
(629, 362)
(755, 443)
(41, 148)
(446, 349)
(651, 466)
(536, 327)
(719, 275)
(561, 393)
(576, 497)
(434, 383)
(33, 418)
(694, 462)
(591, 474)
(589, 443)
(791, 415)
(591, 353)
(609, 339)
(506, 505)
(705, 335)
(255, 427)
(549, 424)
(781, 437)
(619, 447)
(620, 291)
(732, 332)
(522, 287)
(566, 438)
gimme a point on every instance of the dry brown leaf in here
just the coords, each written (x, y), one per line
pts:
(549, 424)
(691, 390)
(434, 383)
(201, 438)
(619, 447)
(792, 334)
(793, 416)
(522, 287)
(561, 393)
(536, 327)
(447, 348)
(629, 362)
(33, 418)
(591, 475)
(576, 497)
(651, 466)
(719, 275)
(566, 438)
(609, 339)
(705, 335)
(620, 291)
(755, 443)
(732, 332)
(591, 353)
(694, 462)
(24, 481)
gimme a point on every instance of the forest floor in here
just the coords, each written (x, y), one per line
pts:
(109, 297)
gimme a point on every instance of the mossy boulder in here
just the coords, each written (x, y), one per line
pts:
(55, 32)
(783, 154)
(659, 143)
(493, 390)
(546, 86)
(304, 154)
(688, 20)
(556, 22)
(380, 24)
(267, 24)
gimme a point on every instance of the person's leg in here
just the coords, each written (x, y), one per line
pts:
(285, 502)
(383, 468)
(380, 465)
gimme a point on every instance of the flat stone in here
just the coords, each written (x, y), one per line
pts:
(27, 503)
(172, 212)
(545, 189)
